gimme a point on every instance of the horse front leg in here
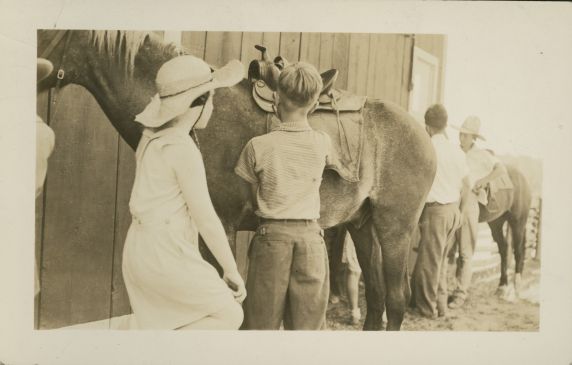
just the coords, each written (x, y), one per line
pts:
(369, 257)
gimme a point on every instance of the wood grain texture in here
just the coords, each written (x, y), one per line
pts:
(271, 40)
(125, 177)
(358, 64)
(371, 66)
(248, 52)
(310, 48)
(326, 51)
(340, 58)
(290, 46)
(80, 210)
(222, 47)
(194, 42)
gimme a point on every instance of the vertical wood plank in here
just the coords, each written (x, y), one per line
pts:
(358, 63)
(213, 48)
(80, 207)
(271, 40)
(231, 46)
(125, 177)
(290, 46)
(326, 50)
(248, 52)
(194, 42)
(340, 58)
(221, 47)
(371, 65)
(379, 67)
(310, 48)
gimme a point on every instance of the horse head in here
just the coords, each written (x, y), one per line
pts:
(117, 67)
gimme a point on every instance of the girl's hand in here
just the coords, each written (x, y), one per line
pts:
(236, 284)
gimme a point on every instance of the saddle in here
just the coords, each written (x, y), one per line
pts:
(338, 114)
(264, 74)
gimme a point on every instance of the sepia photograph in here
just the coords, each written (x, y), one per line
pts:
(285, 181)
(332, 211)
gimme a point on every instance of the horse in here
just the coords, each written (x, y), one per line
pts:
(513, 207)
(380, 211)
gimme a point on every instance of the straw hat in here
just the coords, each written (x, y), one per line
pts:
(471, 125)
(45, 68)
(180, 81)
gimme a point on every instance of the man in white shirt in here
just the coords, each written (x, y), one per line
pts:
(440, 218)
(484, 168)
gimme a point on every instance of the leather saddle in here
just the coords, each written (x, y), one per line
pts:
(264, 74)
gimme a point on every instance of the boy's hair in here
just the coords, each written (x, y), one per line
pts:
(436, 116)
(300, 83)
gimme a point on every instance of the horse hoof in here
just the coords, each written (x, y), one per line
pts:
(517, 285)
(509, 294)
(501, 291)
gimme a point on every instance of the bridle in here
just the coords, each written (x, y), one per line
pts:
(60, 67)
(61, 74)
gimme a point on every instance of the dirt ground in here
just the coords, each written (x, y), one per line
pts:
(483, 311)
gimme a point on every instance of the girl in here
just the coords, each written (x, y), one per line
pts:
(169, 284)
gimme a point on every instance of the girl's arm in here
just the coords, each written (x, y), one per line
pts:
(187, 163)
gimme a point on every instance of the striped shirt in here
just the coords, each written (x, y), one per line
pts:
(287, 164)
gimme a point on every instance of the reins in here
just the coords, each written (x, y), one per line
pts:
(61, 71)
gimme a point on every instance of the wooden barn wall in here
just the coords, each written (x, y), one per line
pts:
(82, 217)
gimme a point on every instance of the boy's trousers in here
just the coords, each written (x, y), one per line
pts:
(288, 277)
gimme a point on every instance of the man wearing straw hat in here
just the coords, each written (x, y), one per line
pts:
(440, 218)
(484, 168)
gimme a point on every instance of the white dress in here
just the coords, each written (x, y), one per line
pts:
(168, 282)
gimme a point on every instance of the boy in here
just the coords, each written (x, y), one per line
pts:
(288, 277)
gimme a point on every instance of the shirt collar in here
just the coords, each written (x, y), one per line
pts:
(440, 136)
(299, 126)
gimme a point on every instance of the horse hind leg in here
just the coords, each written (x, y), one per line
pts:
(394, 230)
(498, 236)
(518, 228)
(369, 257)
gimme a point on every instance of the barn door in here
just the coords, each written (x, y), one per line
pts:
(425, 79)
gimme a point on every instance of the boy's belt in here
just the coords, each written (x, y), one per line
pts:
(270, 220)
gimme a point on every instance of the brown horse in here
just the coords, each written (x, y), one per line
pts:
(513, 207)
(380, 210)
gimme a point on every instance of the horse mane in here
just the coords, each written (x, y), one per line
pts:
(111, 42)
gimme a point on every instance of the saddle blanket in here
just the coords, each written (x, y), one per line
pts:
(346, 134)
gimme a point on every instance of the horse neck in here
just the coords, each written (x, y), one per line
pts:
(121, 90)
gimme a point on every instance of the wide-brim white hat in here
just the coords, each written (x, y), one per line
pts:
(471, 125)
(44, 69)
(180, 81)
